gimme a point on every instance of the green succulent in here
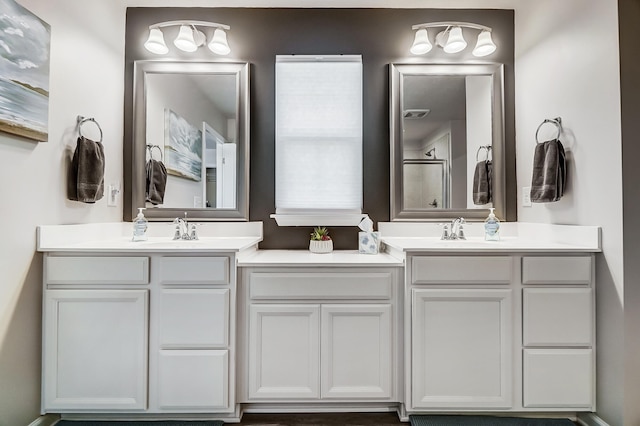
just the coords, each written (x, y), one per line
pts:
(320, 233)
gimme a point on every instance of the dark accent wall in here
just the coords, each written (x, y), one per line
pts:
(381, 36)
(629, 33)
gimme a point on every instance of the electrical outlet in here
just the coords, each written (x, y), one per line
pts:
(113, 191)
(526, 196)
(197, 201)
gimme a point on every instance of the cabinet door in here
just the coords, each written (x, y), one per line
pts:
(461, 348)
(284, 351)
(196, 380)
(356, 351)
(95, 350)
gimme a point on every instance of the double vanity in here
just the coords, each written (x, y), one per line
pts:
(212, 328)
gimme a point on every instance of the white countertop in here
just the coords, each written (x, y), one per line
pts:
(306, 258)
(397, 238)
(515, 237)
(116, 237)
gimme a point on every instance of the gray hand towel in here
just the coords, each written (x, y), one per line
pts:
(86, 174)
(156, 181)
(549, 172)
(482, 182)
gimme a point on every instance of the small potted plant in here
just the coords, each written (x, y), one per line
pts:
(320, 240)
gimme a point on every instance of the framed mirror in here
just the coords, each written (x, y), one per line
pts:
(447, 125)
(192, 120)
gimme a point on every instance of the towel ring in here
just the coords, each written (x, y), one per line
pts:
(556, 122)
(150, 149)
(81, 120)
(481, 147)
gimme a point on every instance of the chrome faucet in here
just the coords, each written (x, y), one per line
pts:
(457, 230)
(182, 229)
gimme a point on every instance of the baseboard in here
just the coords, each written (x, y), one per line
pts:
(46, 420)
(591, 419)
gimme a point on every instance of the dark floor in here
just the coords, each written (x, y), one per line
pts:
(333, 419)
(342, 419)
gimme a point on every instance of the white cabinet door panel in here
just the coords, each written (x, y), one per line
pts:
(193, 380)
(95, 350)
(558, 378)
(194, 318)
(356, 351)
(284, 356)
(462, 348)
(557, 317)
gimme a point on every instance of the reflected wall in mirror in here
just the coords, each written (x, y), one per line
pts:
(447, 121)
(193, 117)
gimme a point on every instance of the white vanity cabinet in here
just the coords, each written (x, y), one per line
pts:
(500, 332)
(320, 334)
(191, 342)
(95, 333)
(461, 332)
(136, 333)
(558, 332)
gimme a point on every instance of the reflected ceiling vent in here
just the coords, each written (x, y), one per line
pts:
(413, 114)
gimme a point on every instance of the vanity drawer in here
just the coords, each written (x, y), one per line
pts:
(96, 270)
(194, 318)
(556, 270)
(194, 270)
(558, 378)
(557, 317)
(461, 270)
(320, 285)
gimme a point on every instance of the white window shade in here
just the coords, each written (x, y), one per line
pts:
(318, 135)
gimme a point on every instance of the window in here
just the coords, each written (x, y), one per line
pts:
(319, 139)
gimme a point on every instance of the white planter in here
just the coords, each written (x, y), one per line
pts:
(321, 246)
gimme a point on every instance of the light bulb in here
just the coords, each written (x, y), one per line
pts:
(485, 45)
(455, 42)
(218, 43)
(421, 43)
(155, 43)
(185, 40)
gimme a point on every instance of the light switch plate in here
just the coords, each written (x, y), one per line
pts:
(526, 196)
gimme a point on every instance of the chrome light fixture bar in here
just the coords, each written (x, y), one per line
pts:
(189, 38)
(451, 39)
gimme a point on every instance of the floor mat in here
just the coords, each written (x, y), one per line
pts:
(485, 421)
(139, 423)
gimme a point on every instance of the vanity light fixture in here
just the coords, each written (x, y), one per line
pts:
(189, 38)
(451, 39)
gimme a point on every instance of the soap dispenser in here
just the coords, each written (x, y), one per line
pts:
(140, 226)
(492, 227)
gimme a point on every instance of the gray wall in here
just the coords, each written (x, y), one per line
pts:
(381, 36)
